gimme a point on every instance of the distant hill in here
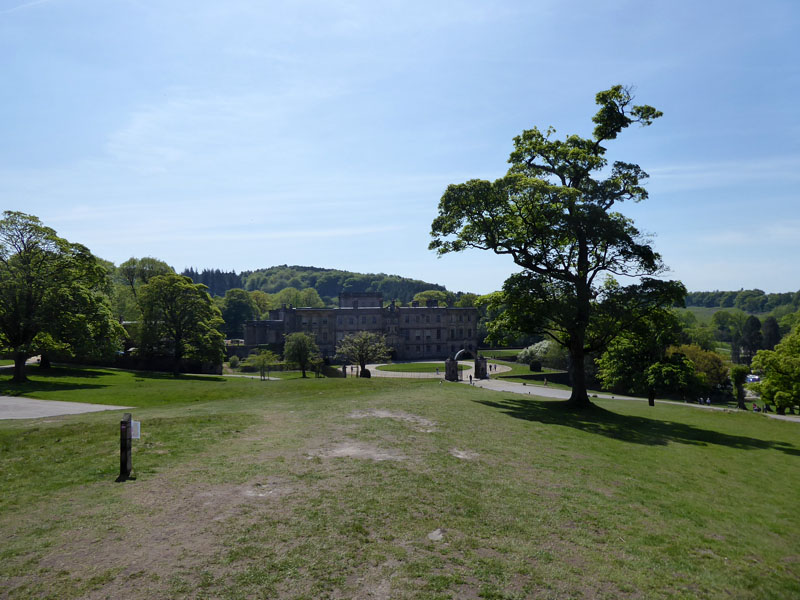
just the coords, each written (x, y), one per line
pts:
(329, 283)
(750, 301)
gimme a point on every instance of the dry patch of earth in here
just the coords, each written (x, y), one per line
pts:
(464, 454)
(358, 450)
(420, 423)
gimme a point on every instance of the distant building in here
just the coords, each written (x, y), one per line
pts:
(413, 332)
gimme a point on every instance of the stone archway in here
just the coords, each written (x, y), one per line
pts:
(463, 354)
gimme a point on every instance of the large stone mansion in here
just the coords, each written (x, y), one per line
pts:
(413, 332)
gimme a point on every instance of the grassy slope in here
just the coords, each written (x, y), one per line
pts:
(232, 498)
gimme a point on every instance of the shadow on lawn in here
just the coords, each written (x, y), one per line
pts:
(52, 380)
(636, 430)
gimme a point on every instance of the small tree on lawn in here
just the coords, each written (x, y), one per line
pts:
(362, 348)
(301, 349)
(262, 361)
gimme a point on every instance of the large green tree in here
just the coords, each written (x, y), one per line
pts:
(300, 348)
(625, 365)
(51, 293)
(362, 348)
(553, 214)
(780, 368)
(238, 307)
(180, 320)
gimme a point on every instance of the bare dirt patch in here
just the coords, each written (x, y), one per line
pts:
(420, 423)
(464, 454)
(358, 450)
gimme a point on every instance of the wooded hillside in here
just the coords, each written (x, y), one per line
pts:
(328, 283)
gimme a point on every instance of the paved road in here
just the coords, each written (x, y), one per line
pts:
(16, 407)
(548, 392)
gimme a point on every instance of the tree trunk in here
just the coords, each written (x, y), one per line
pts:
(579, 397)
(44, 362)
(651, 397)
(19, 368)
(740, 398)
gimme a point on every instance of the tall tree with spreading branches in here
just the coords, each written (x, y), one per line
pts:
(52, 294)
(553, 214)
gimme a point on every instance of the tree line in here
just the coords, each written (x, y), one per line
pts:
(328, 283)
(749, 301)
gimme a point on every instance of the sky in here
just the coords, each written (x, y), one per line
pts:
(244, 134)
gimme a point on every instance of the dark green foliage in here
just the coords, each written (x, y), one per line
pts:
(752, 339)
(180, 320)
(751, 301)
(329, 283)
(218, 282)
(237, 307)
(780, 370)
(771, 333)
(301, 348)
(739, 375)
(624, 366)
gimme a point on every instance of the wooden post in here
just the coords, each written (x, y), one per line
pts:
(125, 445)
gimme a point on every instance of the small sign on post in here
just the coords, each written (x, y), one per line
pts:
(125, 459)
(136, 430)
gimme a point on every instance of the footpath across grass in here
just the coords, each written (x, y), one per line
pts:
(348, 488)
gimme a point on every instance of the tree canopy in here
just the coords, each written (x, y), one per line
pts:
(51, 293)
(180, 320)
(362, 348)
(552, 214)
(300, 348)
(780, 383)
(237, 307)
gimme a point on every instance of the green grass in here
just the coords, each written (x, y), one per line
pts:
(422, 367)
(703, 314)
(237, 495)
(520, 373)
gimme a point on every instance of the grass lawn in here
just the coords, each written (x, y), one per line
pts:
(421, 367)
(387, 488)
(520, 373)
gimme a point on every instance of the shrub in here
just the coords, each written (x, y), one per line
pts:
(234, 362)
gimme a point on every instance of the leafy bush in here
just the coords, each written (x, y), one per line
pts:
(234, 362)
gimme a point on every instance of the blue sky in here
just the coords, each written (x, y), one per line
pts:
(245, 134)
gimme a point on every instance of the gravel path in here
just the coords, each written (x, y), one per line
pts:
(17, 407)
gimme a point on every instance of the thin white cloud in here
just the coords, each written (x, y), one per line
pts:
(785, 232)
(24, 6)
(716, 174)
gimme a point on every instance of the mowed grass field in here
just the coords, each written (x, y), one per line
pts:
(385, 488)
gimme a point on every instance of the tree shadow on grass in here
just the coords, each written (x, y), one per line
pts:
(53, 379)
(161, 375)
(627, 428)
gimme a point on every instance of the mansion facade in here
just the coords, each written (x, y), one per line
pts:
(413, 332)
